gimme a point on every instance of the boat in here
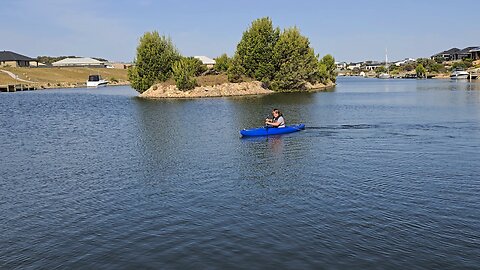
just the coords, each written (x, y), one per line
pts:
(459, 74)
(96, 81)
(384, 75)
(266, 131)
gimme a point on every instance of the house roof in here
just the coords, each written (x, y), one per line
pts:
(11, 56)
(466, 50)
(205, 60)
(475, 49)
(77, 61)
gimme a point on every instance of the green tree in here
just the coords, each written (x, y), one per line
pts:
(184, 73)
(235, 71)
(294, 60)
(153, 62)
(380, 69)
(199, 67)
(330, 66)
(255, 50)
(222, 63)
(421, 71)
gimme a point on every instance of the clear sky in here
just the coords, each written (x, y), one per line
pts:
(349, 30)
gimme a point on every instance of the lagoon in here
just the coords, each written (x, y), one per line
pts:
(385, 176)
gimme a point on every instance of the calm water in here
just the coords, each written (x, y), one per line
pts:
(386, 176)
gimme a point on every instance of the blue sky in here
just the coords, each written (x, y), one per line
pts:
(349, 30)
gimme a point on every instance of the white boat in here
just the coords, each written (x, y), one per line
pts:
(96, 81)
(459, 75)
(384, 76)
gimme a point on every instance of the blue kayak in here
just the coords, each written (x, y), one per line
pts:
(265, 131)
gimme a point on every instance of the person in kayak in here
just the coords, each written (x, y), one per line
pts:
(277, 121)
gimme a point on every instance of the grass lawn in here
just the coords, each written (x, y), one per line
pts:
(63, 75)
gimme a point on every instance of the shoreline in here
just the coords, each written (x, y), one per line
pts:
(160, 91)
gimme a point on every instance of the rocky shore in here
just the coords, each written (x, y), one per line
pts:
(221, 90)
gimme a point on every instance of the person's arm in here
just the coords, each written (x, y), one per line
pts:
(272, 123)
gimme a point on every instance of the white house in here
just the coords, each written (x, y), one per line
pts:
(404, 62)
(79, 62)
(341, 65)
(353, 66)
(209, 62)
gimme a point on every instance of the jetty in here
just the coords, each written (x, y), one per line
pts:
(17, 87)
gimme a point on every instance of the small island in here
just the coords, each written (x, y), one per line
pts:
(266, 61)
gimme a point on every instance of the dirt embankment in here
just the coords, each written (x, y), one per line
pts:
(221, 90)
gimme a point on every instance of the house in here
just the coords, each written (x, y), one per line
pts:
(372, 65)
(8, 58)
(79, 62)
(209, 62)
(404, 62)
(353, 66)
(457, 54)
(447, 55)
(118, 65)
(462, 54)
(341, 65)
(475, 52)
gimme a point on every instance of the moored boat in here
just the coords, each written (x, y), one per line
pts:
(459, 74)
(96, 81)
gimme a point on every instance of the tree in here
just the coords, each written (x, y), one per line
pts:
(222, 63)
(184, 72)
(294, 60)
(255, 50)
(235, 71)
(421, 71)
(330, 66)
(153, 62)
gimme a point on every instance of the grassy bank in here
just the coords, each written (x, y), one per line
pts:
(62, 77)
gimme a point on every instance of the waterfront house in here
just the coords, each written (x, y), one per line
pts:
(12, 59)
(341, 65)
(372, 65)
(209, 62)
(475, 52)
(404, 62)
(79, 62)
(447, 55)
(459, 54)
(353, 66)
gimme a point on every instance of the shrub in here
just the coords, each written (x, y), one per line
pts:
(184, 72)
(222, 63)
(255, 50)
(235, 71)
(154, 59)
(420, 71)
(295, 61)
(330, 66)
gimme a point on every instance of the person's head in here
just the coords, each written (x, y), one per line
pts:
(276, 113)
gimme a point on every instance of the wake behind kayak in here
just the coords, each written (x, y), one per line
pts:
(265, 131)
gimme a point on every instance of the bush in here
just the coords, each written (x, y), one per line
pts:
(184, 72)
(330, 67)
(420, 71)
(154, 59)
(255, 50)
(235, 71)
(222, 63)
(294, 60)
